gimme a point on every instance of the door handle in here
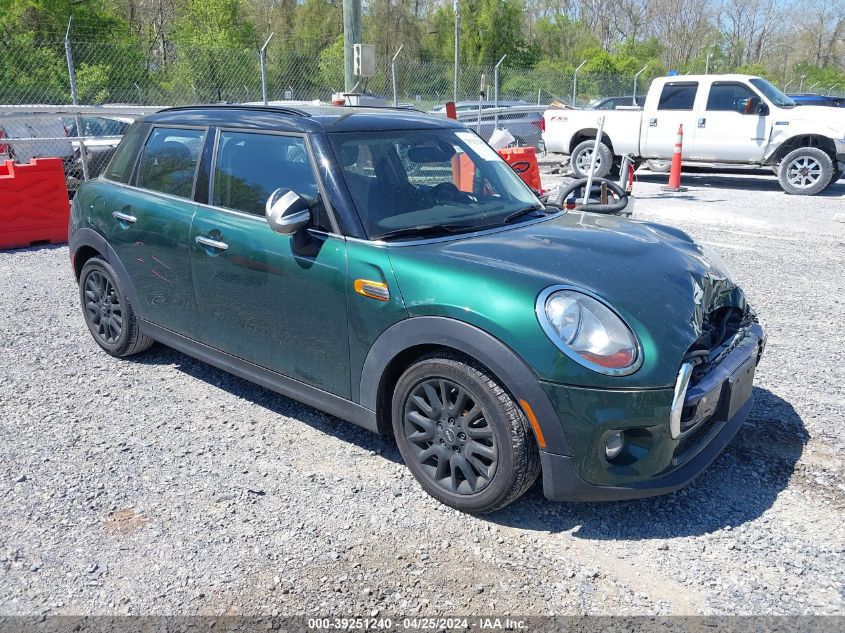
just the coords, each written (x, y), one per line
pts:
(652, 122)
(207, 241)
(702, 122)
(124, 217)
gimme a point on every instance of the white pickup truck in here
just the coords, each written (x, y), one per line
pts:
(728, 120)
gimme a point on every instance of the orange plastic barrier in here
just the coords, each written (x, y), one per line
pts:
(34, 204)
(523, 160)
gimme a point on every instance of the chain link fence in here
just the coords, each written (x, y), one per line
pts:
(119, 73)
(122, 73)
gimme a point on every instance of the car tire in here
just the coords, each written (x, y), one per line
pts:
(837, 175)
(805, 171)
(659, 166)
(579, 160)
(107, 311)
(479, 454)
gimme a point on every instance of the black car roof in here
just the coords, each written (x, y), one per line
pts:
(302, 118)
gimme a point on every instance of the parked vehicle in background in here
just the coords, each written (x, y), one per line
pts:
(525, 126)
(102, 136)
(612, 103)
(734, 120)
(818, 100)
(389, 268)
(35, 126)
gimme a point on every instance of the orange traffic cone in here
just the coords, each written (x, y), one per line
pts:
(675, 172)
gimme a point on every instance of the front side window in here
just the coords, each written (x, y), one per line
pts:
(120, 167)
(447, 180)
(728, 97)
(678, 96)
(169, 161)
(249, 167)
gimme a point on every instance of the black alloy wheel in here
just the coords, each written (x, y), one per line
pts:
(103, 309)
(449, 436)
(462, 436)
(108, 312)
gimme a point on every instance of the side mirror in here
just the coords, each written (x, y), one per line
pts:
(287, 211)
(753, 105)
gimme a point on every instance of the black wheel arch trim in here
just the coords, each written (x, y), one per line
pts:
(517, 378)
(89, 237)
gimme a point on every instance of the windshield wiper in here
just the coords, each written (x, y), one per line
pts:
(518, 214)
(426, 230)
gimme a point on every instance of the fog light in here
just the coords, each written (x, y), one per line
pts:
(615, 444)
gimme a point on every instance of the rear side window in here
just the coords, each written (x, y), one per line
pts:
(169, 161)
(249, 167)
(678, 96)
(726, 97)
(120, 167)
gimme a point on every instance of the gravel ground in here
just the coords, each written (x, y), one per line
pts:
(160, 485)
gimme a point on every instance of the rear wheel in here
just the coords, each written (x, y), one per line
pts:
(108, 313)
(805, 171)
(462, 436)
(582, 156)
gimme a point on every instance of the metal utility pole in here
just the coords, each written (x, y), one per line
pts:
(457, 6)
(351, 36)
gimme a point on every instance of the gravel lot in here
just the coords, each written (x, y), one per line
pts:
(160, 485)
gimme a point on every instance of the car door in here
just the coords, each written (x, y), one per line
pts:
(724, 132)
(150, 225)
(675, 107)
(274, 300)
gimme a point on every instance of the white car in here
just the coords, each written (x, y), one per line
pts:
(102, 135)
(728, 120)
(48, 128)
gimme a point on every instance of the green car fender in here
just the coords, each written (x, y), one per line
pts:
(517, 378)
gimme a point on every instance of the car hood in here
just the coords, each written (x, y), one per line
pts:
(826, 115)
(656, 277)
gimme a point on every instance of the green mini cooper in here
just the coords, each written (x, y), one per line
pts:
(389, 268)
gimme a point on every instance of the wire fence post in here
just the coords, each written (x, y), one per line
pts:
(262, 58)
(801, 84)
(813, 86)
(636, 77)
(393, 74)
(830, 90)
(575, 83)
(496, 93)
(457, 7)
(74, 96)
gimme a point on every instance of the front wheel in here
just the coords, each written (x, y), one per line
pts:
(582, 156)
(805, 171)
(462, 436)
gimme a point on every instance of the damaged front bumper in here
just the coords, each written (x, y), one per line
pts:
(671, 435)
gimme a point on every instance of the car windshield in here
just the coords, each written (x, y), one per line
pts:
(424, 181)
(771, 93)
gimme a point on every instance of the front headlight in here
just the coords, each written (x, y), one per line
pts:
(588, 331)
